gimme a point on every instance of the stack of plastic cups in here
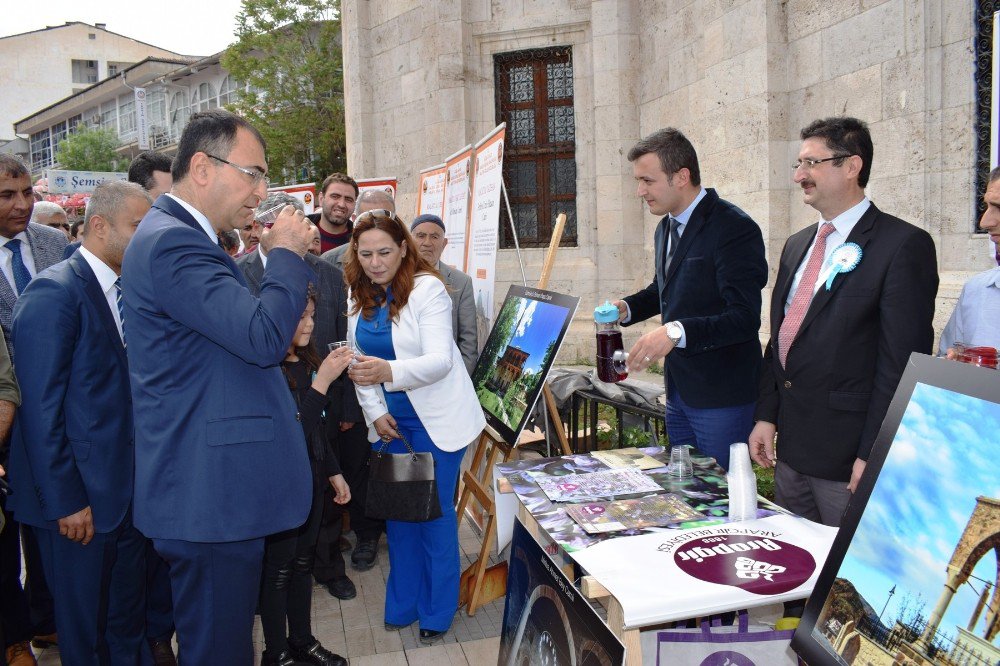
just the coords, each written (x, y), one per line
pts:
(742, 484)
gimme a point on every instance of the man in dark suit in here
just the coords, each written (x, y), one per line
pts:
(428, 233)
(215, 472)
(28, 249)
(72, 449)
(853, 298)
(346, 427)
(708, 274)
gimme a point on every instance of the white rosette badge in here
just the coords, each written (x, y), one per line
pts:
(844, 259)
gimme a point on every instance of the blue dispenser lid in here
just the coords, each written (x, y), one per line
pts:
(606, 314)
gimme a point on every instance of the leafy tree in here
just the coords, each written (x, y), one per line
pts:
(90, 149)
(288, 54)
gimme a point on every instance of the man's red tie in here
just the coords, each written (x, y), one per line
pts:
(803, 295)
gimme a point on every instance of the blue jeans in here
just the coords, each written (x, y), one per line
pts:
(710, 431)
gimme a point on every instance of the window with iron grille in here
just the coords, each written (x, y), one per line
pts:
(534, 96)
(984, 10)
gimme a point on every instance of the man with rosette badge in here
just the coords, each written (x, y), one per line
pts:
(853, 298)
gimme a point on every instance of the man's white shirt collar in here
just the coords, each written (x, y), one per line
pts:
(845, 222)
(105, 275)
(198, 216)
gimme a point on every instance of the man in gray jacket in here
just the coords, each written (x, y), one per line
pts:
(428, 232)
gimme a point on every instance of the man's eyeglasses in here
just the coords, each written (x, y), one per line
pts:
(256, 175)
(812, 164)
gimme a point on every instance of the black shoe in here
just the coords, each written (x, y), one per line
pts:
(315, 653)
(163, 653)
(277, 659)
(363, 557)
(430, 637)
(342, 587)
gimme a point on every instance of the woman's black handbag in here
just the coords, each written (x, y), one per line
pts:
(401, 486)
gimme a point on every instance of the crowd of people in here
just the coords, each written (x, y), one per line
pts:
(191, 391)
(194, 465)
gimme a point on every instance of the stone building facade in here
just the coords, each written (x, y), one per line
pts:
(739, 77)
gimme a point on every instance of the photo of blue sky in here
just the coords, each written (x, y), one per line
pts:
(538, 324)
(943, 457)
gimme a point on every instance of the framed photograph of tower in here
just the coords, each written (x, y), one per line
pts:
(518, 355)
(913, 575)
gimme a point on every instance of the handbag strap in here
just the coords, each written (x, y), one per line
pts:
(402, 438)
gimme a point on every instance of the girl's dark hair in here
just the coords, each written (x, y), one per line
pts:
(308, 353)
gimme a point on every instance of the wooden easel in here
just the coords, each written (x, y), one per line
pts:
(477, 480)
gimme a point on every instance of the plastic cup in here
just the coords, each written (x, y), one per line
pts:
(267, 217)
(334, 346)
(680, 466)
(984, 357)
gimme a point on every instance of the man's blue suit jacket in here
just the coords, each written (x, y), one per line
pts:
(219, 452)
(72, 442)
(712, 287)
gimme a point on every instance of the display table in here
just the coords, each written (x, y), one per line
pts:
(702, 565)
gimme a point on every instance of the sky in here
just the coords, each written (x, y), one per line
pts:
(188, 27)
(942, 458)
(538, 324)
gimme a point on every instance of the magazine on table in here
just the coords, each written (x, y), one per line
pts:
(628, 458)
(638, 513)
(594, 485)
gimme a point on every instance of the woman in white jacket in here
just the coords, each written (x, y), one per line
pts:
(411, 380)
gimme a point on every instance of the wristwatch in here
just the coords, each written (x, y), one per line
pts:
(674, 332)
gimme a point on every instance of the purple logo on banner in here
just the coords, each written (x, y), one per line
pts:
(727, 658)
(758, 565)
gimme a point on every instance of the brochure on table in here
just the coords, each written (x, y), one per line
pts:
(705, 492)
(702, 571)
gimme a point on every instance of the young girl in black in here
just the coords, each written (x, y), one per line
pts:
(286, 592)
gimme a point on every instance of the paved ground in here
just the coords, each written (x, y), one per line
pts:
(355, 628)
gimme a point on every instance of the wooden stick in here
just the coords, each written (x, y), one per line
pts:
(550, 256)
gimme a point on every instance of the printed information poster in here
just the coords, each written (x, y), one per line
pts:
(430, 191)
(387, 185)
(456, 207)
(484, 221)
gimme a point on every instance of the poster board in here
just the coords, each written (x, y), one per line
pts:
(484, 221)
(458, 175)
(518, 355)
(546, 620)
(387, 185)
(304, 192)
(901, 578)
(430, 191)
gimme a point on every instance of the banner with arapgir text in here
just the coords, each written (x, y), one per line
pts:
(484, 221)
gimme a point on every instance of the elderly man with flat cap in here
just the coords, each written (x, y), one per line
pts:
(428, 232)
